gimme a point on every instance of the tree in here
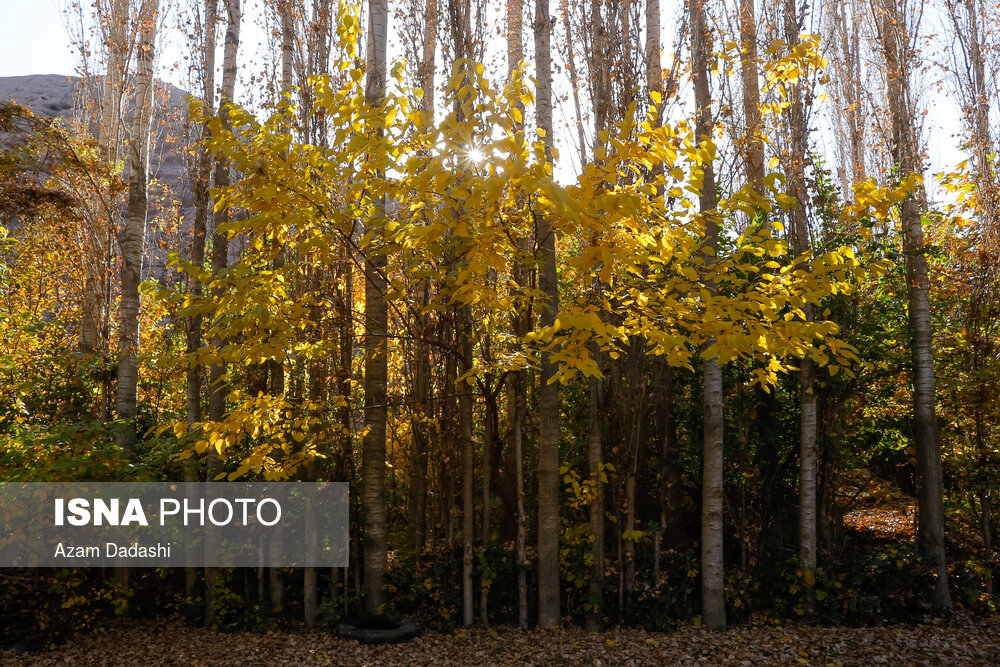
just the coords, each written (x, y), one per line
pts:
(894, 30)
(713, 571)
(134, 235)
(843, 35)
(376, 349)
(115, 45)
(974, 278)
(517, 383)
(548, 392)
(797, 157)
(416, 525)
(201, 183)
(220, 262)
(672, 282)
(749, 68)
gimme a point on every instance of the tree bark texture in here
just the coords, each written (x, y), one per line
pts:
(713, 598)
(220, 262)
(376, 357)
(795, 165)
(548, 399)
(134, 234)
(894, 35)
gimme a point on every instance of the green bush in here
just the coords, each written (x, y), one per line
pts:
(428, 589)
(659, 606)
(40, 609)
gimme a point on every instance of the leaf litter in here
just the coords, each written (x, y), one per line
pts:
(962, 640)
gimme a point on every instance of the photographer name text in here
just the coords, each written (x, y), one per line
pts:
(113, 550)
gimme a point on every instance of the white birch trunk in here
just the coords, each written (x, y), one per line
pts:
(713, 597)
(134, 234)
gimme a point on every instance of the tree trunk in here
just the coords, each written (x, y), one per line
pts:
(202, 183)
(520, 321)
(220, 239)
(574, 81)
(517, 401)
(376, 359)
(310, 595)
(669, 474)
(713, 600)
(894, 35)
(595, 603)
(134, 236)
(674, 532)
(635, 377)
(548, 399)
(220, 261)
(345, 373)
(522, 523)
(795, 166)
(416, 526)
(654, 70)
(713, 570)
(515, 34)
(99, 251)
(749, 67)
(971, 32)
(427, 64)
(417, 500)
(628, 531)
(317, 396)
(446, 417)
(345, 333)
(986, 504)
(970, 73)
(490, 419)
(464, 345)
(287, 45)
(808, 465)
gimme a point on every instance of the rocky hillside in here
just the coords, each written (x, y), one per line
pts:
(56, 96)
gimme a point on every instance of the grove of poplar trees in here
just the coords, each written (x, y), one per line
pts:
(609, 311)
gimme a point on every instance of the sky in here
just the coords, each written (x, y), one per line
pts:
(34, 40)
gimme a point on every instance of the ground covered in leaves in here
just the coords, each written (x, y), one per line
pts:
(963, 640)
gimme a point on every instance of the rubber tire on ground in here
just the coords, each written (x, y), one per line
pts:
(367, 631)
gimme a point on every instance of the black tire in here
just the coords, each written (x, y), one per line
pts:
(379, 629)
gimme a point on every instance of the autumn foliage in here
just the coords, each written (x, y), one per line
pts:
(332, 192)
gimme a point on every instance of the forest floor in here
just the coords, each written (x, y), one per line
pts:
(875, 514)
(963, 640)
(876, 510)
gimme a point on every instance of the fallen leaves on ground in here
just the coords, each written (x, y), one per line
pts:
(887, 523)
(964, 640)
(876, 508)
